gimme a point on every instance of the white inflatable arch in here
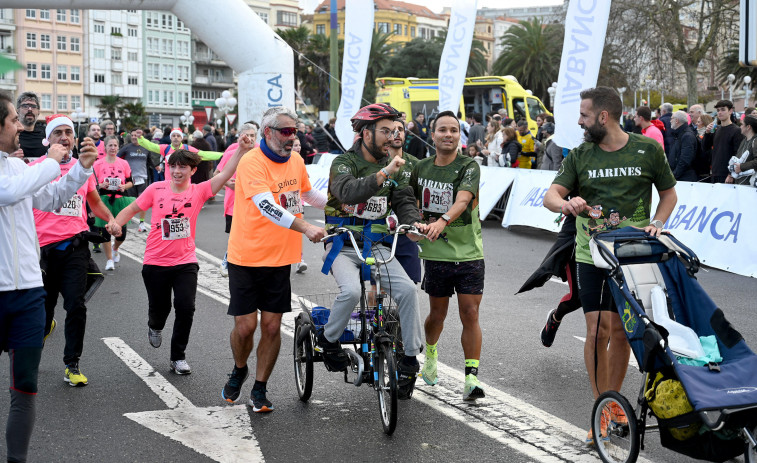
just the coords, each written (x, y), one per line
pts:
(263, 61)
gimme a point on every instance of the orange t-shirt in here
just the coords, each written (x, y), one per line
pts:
(255, 241)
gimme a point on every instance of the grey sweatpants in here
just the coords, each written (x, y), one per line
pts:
(346, 270)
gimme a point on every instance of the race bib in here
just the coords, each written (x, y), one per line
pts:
(72, 208)
(374, 208)
(176, 228)
(114, 184)
(436, 200)
(290, 200)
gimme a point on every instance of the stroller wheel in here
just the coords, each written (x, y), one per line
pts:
(750, 453)
(613, 423)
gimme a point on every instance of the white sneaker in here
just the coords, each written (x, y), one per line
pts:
(302, 267)
(180, 367)
(143, 227)
(224, 268)
(110, 265)
(116, 257)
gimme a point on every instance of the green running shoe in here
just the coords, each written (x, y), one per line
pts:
(429, 370)
(473, 389)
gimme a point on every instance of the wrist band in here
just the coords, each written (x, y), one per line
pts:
(384, 171)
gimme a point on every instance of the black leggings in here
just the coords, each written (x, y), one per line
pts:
(159, 282)
(571, 301)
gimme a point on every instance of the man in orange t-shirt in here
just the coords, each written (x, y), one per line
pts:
(265, 241)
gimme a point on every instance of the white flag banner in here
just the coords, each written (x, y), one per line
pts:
(526, 203)
(493, 183)
(585, 28)
(358, 34)
(454, 62)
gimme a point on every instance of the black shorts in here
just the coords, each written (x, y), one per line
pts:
(593, 288)
(136, 190)
(443, 279)
(228, 223)
(267, 289)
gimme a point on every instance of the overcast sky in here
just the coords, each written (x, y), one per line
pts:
(437, 5)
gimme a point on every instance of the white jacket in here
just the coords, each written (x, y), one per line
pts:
(21, 189)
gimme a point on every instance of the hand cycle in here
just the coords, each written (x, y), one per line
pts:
(373, 356)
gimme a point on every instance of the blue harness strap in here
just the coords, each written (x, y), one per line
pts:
(338, 241)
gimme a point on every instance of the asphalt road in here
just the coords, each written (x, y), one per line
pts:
(537, 407)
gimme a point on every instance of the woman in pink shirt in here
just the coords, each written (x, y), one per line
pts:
(170, 262)
(113, 176)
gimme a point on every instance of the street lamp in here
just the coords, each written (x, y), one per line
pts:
(187, 119)
(118, 126)
(621, 90)
(551, 91)
(731, 79)
(225, 103)
(747, 90)
(76, 117)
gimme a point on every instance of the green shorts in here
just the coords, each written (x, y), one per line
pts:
(117, 206)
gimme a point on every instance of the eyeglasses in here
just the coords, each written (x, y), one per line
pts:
(28, 106)
(286, 131)
(390, 134)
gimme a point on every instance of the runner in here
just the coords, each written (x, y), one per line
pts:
(447, 185)
(141, 164)
(364, 184)
(64, 254)
(170, 262)
(114, 175)
(165, 150)
(250, 129)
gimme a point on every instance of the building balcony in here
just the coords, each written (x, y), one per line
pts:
(202, 80)
(10, 80)
(116, 41)
(7, 23)
(117, 65)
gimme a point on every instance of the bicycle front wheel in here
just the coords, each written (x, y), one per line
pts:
(303, 361)
(386, 387)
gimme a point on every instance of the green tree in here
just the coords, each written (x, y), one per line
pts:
(729, 64)
(133, 116)
(531, 52)
(298, 40)
(380, 52)
(110, 107)
(417, 58)
(314, 72)
(477, 64)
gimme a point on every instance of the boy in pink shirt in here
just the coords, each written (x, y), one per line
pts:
(643, 119)
(170, 262)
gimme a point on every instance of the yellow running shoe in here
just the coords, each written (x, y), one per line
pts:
(74, 376)
(473, 389)
(429, 370)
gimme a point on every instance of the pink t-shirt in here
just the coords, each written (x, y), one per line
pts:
(70, 219)
(114, 173)
(173, 244)
(655, 134)
(100, 145)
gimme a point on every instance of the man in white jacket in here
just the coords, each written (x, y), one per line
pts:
(22, 298)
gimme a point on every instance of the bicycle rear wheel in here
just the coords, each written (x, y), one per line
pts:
(616, 439)
(303, 361)
(386, 387)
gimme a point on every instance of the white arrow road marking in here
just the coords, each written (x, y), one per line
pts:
(501, 416)
(223, 434)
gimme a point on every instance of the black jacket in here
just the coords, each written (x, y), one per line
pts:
(321, 139)
(681, 153)
(513, 148)
(667, 134)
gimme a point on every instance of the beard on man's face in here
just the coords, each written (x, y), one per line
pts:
(594, 133)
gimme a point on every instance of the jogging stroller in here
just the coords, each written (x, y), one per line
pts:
(700, 380)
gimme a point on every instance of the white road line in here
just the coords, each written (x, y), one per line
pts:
(501, 416)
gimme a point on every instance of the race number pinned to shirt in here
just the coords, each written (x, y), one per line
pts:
(72, 208)
(437, 200)
(290, 200)
(176, 228)
(114, 183)
(374, 208)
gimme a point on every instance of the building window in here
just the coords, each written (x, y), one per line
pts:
(62, 102)
(75, 44)
(75, 102)
(100, 53)
(44, 71)
(31, 71)
(75, 73)
(286, 18)
(74, 20)
(412, 31)
(153, 71)
(383, 27)
(133, 80)
(99, 28)
(44, 41)
(320, 29)
(44, 14)
(62, 72)
(152, 46)
(264, 17)
(115, 30)
(100, 78)
(398, 29)
(115, 54)
(60, 16)
(182, 48)
(116, 78)
(166, 22)
(132, 56)
(31, 40)
(180, 26)
(61, 43)
(46, 102)
(405, 29)
(31, 14)
(132, 32)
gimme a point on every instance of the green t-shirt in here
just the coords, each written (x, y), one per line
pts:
(436, 188)
(617, 185)
(378, 206)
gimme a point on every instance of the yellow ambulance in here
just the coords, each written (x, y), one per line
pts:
(482, 95)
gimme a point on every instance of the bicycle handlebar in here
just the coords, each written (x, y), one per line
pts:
(401, 229)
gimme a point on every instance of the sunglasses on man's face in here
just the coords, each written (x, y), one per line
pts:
(286, 131)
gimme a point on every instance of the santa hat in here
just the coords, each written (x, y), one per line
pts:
(56, 120)
(176, 131)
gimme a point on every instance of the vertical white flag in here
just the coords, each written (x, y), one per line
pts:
(585, 28)
(358, 34)
(455, 56)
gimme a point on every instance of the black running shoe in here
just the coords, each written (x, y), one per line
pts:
(334, 357)
(230, 392)
(550, 330)
(259, 402)
(407, 374)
